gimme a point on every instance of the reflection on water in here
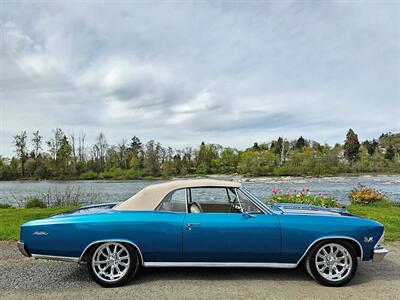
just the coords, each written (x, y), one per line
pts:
(111, 191)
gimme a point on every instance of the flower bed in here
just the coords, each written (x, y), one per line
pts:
(304, 196)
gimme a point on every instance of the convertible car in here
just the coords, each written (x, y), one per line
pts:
(204, 223)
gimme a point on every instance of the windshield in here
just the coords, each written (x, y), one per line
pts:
(258, 200)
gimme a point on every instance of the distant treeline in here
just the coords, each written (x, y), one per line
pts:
(68, 157)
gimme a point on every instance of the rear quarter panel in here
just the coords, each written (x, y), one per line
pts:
(155, 233)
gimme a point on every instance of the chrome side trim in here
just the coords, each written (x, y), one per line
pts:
(219, 264)
(112, 240)
(328, 238)
(53, 257)
(21, 248)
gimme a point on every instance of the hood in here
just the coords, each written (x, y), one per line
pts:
(306, 209)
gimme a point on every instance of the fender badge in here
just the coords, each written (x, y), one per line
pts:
(40, 233)
(368, 239)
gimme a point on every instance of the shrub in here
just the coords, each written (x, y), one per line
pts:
(35, 202)
(303, 197)
(89, 175)
(365, 195)
(5, 205)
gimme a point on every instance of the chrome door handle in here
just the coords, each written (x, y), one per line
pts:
(190, 225)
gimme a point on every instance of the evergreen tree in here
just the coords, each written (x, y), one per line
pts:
(389, 154)
(300, 143)
(351, 146)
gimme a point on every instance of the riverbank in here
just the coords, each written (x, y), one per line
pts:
(386, 214)
(232, 176)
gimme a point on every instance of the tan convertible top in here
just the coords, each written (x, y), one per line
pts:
(149, 197)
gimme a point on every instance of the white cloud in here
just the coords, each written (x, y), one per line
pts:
(182, 73)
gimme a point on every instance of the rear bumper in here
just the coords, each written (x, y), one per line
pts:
(379, 254)
(22, 248)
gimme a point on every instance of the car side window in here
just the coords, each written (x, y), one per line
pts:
(175, 201)
(213, 200)
(247, 205)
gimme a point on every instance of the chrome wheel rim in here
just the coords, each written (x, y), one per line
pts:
(111, 261)
(333, 262)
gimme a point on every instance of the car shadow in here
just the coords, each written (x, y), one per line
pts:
(366, 273)
(146, 275)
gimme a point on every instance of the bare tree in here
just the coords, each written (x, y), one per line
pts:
(37, 145)
(100, 149)
(21, 149)
(81, 147)
(73, 147)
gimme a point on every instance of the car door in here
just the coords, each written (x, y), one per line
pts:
(230, 236)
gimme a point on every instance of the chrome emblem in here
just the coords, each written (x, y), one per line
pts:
(40, 233)
(368, 239)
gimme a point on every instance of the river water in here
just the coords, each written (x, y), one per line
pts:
(119, 190)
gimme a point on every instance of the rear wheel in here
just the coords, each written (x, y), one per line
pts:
(332, 263)
(112, 264)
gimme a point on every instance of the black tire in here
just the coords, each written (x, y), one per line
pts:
(132, 268)
(311, 263)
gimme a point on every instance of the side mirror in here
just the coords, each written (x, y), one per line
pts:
(247, 215)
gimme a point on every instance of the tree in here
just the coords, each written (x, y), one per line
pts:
(229, 160)
(100, 150)
(390, 153)
(300, 143)
(37, 145)
(81, 147)
(54, 144)
(122, 154)
(351, 146)
(64, 156)
(152, 158)
(21, 149)
(370, 146)
(136, 150)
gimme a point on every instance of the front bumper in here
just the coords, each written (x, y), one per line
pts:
(23, 249)
(379, 254)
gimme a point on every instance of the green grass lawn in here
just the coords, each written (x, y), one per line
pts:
(385, 213)
(11, 219)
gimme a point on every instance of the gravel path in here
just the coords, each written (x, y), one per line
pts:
(27, 278)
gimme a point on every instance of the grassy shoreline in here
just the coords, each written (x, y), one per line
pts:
(386, 214)
(245, 176)
(11, 219)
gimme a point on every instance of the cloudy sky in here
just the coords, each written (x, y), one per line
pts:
(228, 73)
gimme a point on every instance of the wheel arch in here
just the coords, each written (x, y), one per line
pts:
(355, 244)
(91, 245)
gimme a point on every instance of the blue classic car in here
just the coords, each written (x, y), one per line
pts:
(204, 223)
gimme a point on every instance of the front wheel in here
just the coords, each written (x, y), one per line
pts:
(332, 263)
(112, 264)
